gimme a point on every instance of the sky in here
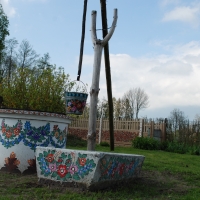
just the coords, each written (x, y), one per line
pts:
(155, 46)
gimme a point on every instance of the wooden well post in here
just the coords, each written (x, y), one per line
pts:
(94, 90)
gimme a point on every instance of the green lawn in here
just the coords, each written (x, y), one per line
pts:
(164, 176)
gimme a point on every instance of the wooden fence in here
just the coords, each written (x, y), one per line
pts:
(124, 130)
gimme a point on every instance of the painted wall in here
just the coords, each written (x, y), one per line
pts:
(22, 131)
(91, 169)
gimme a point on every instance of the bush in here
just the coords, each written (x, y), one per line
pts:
(170, 146)
(164, 145)
(104, 144)
(75, 141)
(39, 89)
(146, 143)
(177, 147)
(195, 150)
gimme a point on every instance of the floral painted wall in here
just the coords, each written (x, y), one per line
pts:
(19, 138)
(86, 167)
(63, 166)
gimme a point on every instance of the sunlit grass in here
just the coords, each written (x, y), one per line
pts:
(165, 176)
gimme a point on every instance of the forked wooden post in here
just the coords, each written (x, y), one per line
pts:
(94, 90)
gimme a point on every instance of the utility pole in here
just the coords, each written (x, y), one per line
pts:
(94, 90)
(108, 73)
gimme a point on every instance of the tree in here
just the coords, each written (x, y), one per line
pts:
(126, 108)
(134, 100)
(3, 33)
(11, 60)
(130, 97)
(44, 62)
(118, 110)
(197, 117)
(43, 92)
(3, 29)
(141, 101)
(176, 119)
(26, 56)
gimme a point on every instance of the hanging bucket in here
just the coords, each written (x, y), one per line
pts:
(75, 102)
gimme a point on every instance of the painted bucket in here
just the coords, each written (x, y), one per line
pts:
(75, 102)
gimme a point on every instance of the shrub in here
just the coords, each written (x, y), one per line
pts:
(104, 144)
(75, 141)
(39, 89)
(146, 143)
(177, 147)
(195, 150)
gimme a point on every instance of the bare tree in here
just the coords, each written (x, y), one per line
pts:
(8, 63)
(26, 56)
(135, 100)
(130, 96)
(176, 119)
(117, 104)
(11, 45)
(141, 101)
(126, 108)
(197, 117)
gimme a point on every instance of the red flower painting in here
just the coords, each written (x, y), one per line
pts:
(62, 170)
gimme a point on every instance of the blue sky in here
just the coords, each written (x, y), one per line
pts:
(155, 46)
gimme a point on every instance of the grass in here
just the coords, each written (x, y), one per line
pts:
(164, 175)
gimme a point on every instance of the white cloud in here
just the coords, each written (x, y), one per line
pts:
(169, 2)
(174, 68)
(169, 80)
(187, 14)
(8, 9)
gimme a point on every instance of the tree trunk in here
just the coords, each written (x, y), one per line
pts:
(98, 46)
(94, 91)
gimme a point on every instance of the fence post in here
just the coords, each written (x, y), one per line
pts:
(141, 128)
(165, 130)
(152, 129)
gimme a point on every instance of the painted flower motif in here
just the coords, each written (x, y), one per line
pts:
(73, 169)
(82, 161)
(16, 162)
(56, 134)
(8, 134)
(47, 170)
(27, 125)
(3, 129)
(69, 108)
(68, 161)
(32, 162)
(3, 123)
(60, 160)
(79, 105)
(47, 127)
(55, 127)
(61, 138)
(36, 136)
(52, 167)
(19, 124)
(62, 170)
(121, 169)
(16, 131)
(50, 158)
(6, 160)
(12, 155)
(73, 109)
